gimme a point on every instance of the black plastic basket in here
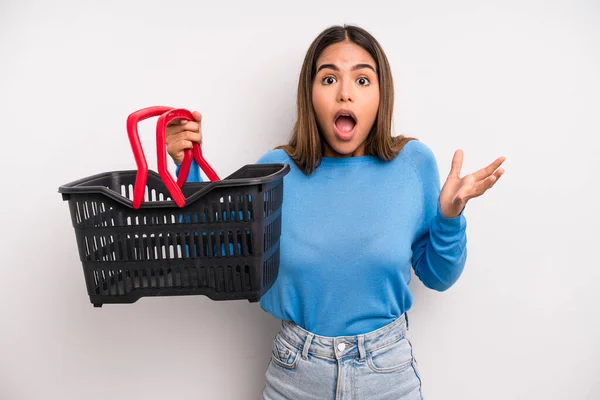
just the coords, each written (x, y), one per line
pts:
(222, 241)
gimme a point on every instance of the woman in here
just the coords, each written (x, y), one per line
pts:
(360, 209)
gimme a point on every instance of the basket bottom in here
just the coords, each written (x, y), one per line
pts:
(130, 298)
(128, 286)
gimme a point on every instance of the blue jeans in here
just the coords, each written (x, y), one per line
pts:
(378, 365)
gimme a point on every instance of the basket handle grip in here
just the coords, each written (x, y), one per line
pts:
(142, 173)
(195, 152)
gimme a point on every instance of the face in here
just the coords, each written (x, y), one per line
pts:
(345, 96)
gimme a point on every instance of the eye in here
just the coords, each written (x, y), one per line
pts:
(362, 81)
(328, 80)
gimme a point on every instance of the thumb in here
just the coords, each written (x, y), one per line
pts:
(197, 116)
(457, 162)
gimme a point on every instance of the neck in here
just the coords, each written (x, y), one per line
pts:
(328, 151)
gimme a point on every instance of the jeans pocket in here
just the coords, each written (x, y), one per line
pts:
(284, 354)
(394, 357)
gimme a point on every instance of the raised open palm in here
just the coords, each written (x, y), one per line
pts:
(457, 191)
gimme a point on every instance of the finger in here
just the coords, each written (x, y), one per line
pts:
(185, 144)
(176, 149)
(186, 135)
(497, 174)
(487, 171)
(198, 117)
(174, 132)
(191, 126)
(176, 129)
(177, 121)
(457, 162)
(482, 186)
(195, 137)
(180, 146)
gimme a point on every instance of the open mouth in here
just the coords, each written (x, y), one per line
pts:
(344, 124)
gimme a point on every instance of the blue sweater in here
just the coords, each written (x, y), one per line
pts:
(351, 232)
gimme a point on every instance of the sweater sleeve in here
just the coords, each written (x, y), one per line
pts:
(439, 251)
(193, 175)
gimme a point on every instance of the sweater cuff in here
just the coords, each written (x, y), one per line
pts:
(455, 224)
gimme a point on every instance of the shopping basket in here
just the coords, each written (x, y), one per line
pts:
(139, 233)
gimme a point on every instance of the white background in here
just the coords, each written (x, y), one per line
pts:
(513, 78)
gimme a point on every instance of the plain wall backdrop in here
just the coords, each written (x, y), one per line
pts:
(514, 78)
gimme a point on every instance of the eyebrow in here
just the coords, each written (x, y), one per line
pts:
(354, 68)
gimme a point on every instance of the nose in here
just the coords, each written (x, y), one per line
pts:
(345, 93)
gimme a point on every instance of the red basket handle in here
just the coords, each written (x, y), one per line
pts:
(196, 152)
(136, 146)
(140, 159)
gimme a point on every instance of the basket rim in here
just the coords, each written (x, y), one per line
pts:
(78, 186)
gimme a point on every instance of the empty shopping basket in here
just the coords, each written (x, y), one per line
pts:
(139, 233)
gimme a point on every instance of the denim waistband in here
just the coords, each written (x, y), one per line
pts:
(343, 346)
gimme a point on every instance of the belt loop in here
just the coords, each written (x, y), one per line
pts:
(361, 347)
(406, 318)
(307, 343)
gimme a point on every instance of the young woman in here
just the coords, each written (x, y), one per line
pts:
(361, 207)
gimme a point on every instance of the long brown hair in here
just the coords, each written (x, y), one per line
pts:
(305, 147)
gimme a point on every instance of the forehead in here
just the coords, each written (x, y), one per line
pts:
(345, 54)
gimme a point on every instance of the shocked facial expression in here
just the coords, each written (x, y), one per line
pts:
(345, 96)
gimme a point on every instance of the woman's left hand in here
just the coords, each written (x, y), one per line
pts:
(457, 191)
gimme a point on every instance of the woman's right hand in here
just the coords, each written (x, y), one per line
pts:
(182, 135)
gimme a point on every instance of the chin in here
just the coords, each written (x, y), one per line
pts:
(347, 149)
